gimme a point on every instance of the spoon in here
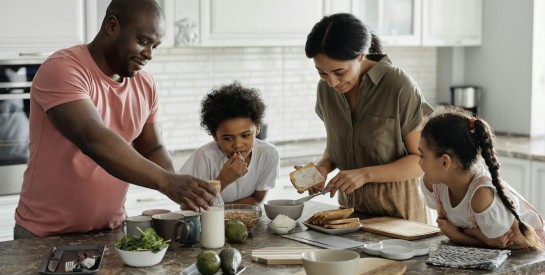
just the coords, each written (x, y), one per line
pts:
(304, 199)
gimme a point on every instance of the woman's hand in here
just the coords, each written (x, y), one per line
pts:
(347, 181)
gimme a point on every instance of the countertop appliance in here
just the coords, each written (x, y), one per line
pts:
(467, 97)
(15, 81)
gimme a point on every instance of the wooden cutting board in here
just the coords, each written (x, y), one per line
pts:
(376, 266)
(399, 228)
(280, 255)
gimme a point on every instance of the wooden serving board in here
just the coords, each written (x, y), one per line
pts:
(280, 255)
(376, 266)
(399, 228)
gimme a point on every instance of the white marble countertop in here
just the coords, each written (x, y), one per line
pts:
(521, 147)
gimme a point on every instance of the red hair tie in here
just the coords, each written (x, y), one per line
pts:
(472, 123)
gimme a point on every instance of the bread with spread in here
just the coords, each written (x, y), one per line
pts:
(306, 177)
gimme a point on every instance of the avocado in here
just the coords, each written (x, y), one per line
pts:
(230, 260)
(235, 231)
(208, 262)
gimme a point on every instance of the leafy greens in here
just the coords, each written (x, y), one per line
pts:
(149, 241)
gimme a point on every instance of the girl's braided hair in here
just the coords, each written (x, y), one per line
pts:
(455, 131)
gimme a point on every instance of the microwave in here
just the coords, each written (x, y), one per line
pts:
(15, 81)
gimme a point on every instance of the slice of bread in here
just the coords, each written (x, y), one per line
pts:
(336, 214)
(342, 225)
(306, 177)
(340, 221)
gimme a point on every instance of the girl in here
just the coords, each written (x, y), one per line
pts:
(474, 206)
(246, 167)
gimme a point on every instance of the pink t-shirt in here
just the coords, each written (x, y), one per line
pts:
(64, 191)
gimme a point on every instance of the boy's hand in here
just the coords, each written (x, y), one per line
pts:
(233, 169)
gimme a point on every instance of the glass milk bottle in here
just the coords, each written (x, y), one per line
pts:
(213, 221)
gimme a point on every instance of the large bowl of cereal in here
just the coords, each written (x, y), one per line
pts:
(248, 214)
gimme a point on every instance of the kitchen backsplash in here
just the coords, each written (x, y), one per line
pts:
(285, 77)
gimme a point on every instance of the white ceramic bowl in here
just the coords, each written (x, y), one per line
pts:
(281, 230)
(141, 258)
(275, 207)
(330, 261)
(396, 249)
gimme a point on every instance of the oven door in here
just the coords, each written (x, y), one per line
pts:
(14, 128)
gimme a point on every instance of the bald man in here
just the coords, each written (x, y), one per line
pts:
(93, 130)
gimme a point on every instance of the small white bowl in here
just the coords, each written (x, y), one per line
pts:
(330, 261)
(141, 258)
(281, 230)
(396, 249)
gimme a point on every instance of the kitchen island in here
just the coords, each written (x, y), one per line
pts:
(28, 255)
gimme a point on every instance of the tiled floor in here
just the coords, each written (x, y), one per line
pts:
(293, 153)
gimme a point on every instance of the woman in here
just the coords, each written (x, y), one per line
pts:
(371, 111)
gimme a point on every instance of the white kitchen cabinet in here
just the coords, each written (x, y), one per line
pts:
(538, 186)
(246, 23)
(396, 22)
(8, 203)
(516, 172)
(527, 177)
(452, 22)
(35, 28)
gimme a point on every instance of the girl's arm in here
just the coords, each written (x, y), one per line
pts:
(456, 234)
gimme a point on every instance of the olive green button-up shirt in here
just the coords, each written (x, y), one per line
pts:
(389, 106)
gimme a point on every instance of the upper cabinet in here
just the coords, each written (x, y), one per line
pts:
(395, 22)
(225, 23)
(245, 22)
(35, 28)
(452, 22)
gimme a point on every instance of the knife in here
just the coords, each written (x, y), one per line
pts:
(304, 199)
(55, 259)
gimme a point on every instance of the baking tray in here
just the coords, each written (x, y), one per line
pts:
(70, 253)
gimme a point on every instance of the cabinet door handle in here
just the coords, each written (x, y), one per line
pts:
(158, 198)
(36, 54)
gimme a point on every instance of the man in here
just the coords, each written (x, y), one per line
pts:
(93, 129)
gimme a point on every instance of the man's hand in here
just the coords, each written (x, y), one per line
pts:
(190, 192)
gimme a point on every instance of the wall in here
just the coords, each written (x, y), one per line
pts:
(286, 78)
(507, 66)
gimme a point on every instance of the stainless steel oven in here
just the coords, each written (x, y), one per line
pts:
(15, 80)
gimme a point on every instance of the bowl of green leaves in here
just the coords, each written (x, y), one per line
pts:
(146, 250)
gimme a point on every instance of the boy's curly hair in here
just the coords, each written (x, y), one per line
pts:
(231, 101)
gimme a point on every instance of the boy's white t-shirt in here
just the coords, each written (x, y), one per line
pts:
(207, 161)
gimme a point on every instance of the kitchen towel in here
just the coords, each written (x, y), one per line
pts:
(468, 257)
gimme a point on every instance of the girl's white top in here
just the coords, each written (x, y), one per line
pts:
(494, 221)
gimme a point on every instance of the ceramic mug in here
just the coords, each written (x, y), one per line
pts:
(193, 235)
(131, 225)
(168, 226)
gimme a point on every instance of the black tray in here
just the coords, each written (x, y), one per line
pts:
(70, 253)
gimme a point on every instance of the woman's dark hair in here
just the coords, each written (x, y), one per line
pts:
(456, 132)
(341, 36)
(231, 101)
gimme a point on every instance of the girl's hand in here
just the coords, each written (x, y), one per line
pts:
(500, 242)
(448, 229)
(234, 168)
(346, 181)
